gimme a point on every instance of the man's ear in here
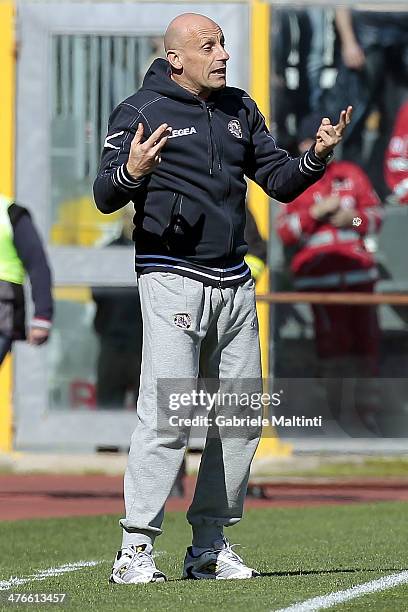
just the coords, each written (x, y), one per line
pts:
(174, 60)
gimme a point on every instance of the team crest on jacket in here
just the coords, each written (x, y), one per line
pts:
(234, 127)
(183, 320)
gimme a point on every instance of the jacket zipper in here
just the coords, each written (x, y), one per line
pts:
(211, 144)
(210, 153)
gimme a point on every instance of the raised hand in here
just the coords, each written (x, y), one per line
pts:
(326, 206)
(328, 135)
(144, 157)
(344, 217)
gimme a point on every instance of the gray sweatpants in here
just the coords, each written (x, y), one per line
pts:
(217, 335)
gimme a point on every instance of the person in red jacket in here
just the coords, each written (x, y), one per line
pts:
(325, 227)
(396, 157)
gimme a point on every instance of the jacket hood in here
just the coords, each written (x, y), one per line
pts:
(158, 79)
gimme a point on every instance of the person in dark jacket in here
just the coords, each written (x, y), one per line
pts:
(118, 325)
(21, 252)
(180, 149)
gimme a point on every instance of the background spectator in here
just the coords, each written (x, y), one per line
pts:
(290, 88)
(303, 65)
(374, 50)
(396, 158)
(21, 251)
(325, 229)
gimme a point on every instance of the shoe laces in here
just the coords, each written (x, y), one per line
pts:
(230, 554)
(141, 559)
(144, 559)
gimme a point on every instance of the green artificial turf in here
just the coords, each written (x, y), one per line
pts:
(303, 552)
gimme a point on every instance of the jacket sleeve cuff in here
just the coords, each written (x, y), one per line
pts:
(122, 179)
(42, 323)
(319, 160)
(311, 165)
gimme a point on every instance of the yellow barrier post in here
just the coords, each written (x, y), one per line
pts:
(258, 201)
(7, 123)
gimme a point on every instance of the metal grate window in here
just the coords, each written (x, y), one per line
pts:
(90, 76)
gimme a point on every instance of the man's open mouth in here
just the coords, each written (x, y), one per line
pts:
(221, 71)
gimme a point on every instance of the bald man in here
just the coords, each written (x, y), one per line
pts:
(180, 149)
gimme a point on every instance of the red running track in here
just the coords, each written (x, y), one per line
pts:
(43, 496)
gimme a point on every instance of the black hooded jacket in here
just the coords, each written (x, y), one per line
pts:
(190, 211)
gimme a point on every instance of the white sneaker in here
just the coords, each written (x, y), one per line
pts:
(219, 563)
(135, 565)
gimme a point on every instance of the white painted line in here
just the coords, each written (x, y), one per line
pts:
(332, 599)
(15, 581)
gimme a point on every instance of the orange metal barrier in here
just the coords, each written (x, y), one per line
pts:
(315, 297)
